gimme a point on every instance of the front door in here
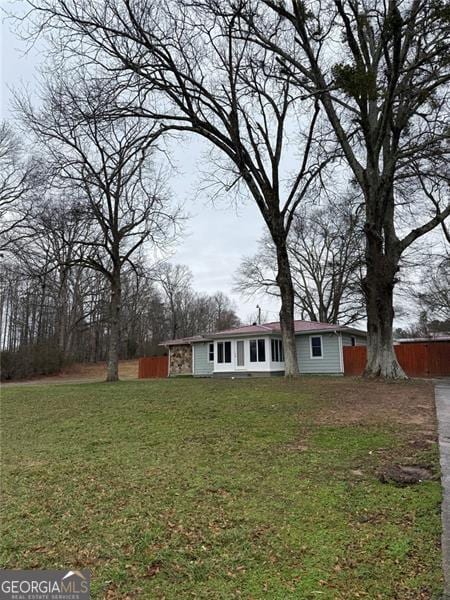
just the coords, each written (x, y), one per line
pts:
(240, 356)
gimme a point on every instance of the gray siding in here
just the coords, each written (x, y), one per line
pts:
(202, 366)
(347, 341)
(330, 361)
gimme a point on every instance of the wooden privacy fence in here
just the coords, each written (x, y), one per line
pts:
(419, 359)
(153, 366)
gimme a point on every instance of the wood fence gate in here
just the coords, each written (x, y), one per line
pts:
(420, 359)
(153, 366)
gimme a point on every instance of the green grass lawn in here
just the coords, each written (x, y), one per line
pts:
(215, 489)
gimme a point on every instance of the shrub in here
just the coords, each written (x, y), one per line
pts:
(29, 361)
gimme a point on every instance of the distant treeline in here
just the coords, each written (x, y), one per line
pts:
(53, 315)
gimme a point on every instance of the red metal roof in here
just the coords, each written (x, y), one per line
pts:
(274, 327)
(265, 328)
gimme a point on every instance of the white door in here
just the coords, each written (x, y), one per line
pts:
(240, 355)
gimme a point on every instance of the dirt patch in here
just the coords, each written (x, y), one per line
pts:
(79, 372)
(348, 401)
(128, 369)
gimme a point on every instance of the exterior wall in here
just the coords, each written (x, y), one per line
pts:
(360, 340)
(331, 359)
(330, 363)
(202, 366)
(180, 360)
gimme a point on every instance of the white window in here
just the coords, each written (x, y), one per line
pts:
(211, 352)
(316, 346)
(277, 350)
(223, 352)
(258, 350)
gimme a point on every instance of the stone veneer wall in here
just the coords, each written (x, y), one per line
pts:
(180, 360)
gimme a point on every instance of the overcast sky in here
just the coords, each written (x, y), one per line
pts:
(216, 236)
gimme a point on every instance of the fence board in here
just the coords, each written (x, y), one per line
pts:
(439, 359)
(355, 358)
(153, 366)
(419, 359)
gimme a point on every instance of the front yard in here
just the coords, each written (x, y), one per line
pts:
(224, 489)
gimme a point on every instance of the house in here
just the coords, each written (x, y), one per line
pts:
(257, 350)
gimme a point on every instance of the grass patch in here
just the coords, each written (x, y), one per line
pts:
(214, 489)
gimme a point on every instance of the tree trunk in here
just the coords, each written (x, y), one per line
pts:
(114, 329)
(61, 318)
(379, 288)
(284, 281)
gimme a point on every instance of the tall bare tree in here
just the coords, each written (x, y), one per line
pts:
(433, 295)
(326, 257)
(175, 281)
(387, 98)
(188, 312)
(184, 63)
(16, 181)
(224, 314)
(53, 228)
(110, 163)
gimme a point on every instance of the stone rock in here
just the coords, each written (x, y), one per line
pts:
(405, 474)
(181, 359)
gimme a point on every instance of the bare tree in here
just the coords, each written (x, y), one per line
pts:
(109, 161)
(183, 63)
(175, 281)
(16, 174)
(224, 315)
(434, 293)
(387, 99)
(190, 313)
(52, 228)
(325, 249)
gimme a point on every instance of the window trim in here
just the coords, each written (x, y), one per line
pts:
(227, 362)
(258, 344)
(250, 351)
(209, 352)
(311, 337)
(276, 343)
(244, 364)
(273, 350)
(222, 344)
(256, 341)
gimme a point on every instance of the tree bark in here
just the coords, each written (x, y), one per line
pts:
(378, 287)
(114, 328)
(284, 281)
(63, 303)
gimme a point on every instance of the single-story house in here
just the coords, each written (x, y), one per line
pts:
(257, 350)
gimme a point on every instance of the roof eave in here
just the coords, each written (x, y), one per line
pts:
(186, 342)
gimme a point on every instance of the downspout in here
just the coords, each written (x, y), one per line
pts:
(341, 351)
